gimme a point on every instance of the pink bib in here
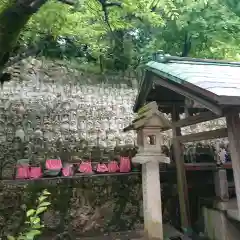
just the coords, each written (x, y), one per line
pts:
(35, 172)
(125, 165)
(53, 164)
(113, 166)
(22, 172)
(85, 167)
(67, 170)
(101, 167)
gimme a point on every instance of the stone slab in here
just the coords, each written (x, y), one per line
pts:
(168, 230)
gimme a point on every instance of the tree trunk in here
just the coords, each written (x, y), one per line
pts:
(12, 20)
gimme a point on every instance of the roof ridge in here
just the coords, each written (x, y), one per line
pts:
(166, 58)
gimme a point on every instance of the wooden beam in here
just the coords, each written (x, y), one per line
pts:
(191, 120)
(181, 174)
(145, 88)
(218, 133)
(186, 93)
(170, 103)
(230, 100)
(221, 184)
(186, 111)
(233, 125)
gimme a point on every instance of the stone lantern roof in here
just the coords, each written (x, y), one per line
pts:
(149, 117)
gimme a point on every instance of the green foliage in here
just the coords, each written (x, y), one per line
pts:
(133, 30)
(33, 222)
(234, 5)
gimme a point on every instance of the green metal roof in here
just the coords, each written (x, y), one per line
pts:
(210, 79)
(220, 79)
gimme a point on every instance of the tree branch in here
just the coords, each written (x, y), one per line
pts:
(68, 2)
(113, 4)
(14, 17)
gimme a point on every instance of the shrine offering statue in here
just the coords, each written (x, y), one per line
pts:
(22, 171)
(85, 167)
(125, 164)
(113, 167)
(53, 167)
(67, 170)
(53, 164)
(102, 168)
(35, 172)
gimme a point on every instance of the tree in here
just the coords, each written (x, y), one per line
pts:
(234, 6)
(102, 15)
(202, 29)
(122, 34)
(14, 16)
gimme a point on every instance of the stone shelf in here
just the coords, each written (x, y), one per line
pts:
(233, 214)
(168, 230)
(59, 180)
(77, 178)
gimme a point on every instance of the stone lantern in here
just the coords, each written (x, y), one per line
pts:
(149, 124)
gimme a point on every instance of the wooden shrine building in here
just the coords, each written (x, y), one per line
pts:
(204, 90)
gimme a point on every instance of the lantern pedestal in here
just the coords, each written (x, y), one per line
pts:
(152, 204)
(149, 125)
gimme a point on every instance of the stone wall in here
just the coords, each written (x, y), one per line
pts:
(52, 110)
(87, 206)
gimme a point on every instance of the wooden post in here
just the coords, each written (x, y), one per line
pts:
(233, 125)
(181, 175)
(221, 184)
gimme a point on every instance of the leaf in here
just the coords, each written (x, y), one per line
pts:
(40, 210)
(30, 212)
(36, 220)
(38, 226)
(42, 198)
(45, 192)
(33, 219)
(10, 238)
(30, 235)
(21, 238)
(44, 204)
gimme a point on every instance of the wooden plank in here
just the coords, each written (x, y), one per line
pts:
(227, 165)
(186, 93)
(201, 166)
(233, 125)
(181, 174)
(144, 90)
(172, 233)
(230, 100)
(221, 184)
(191, 120)
(218, 133)
(170, 103)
